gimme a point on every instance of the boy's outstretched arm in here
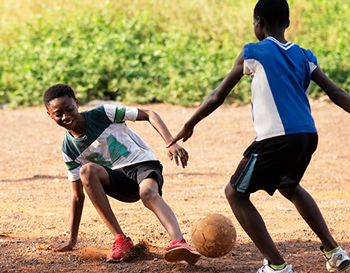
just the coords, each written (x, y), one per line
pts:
(335, 93)
(76, 212)
(213, 101)
(162, 129)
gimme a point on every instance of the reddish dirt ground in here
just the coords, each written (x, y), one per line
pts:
(35, 195)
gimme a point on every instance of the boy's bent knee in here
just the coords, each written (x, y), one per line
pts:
(233, 196)
(91, 172)
(229, 191)
(289, 192)
(147, 195)
(87, 169)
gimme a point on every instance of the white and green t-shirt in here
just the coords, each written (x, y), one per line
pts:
(108, 141)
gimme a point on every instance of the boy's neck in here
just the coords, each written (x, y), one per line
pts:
(80, 128)
(279, 38)
(274, 31)
(277, 33)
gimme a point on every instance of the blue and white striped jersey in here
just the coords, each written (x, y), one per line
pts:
(280, 75)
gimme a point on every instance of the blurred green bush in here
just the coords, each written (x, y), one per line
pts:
(142, 51)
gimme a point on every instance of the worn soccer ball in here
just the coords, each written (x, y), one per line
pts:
(214, 235)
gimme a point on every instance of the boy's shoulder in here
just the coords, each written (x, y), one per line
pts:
(270, 44)
(274, 48)
(107, 112)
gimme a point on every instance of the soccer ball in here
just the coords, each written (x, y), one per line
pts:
(214, 235)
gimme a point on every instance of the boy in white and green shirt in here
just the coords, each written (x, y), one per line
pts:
(104, 157)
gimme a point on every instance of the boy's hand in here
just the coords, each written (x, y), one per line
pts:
(176, 151)
(65, 246)
(184, 134)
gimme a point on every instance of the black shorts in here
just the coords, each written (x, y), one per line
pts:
(274, 163)
(125, 181)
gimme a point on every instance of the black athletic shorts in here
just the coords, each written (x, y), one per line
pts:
(125, 181)
(274, 163)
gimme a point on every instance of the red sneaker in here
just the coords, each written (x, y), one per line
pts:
(120, 247)
(180, 251)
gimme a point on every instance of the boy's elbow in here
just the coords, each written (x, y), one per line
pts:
(153, 114)
(216, 98)
(146, 114)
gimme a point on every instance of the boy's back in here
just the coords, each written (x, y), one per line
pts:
(281, 73)
(280, 82)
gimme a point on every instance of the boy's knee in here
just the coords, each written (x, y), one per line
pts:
(85, 172)
(234, 197)
(87, 168)
(147, 195)
(231, 194)
(288, 192)
(229, 191)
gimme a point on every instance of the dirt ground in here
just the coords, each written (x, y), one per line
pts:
(35, 195)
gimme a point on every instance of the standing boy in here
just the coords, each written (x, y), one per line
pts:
(104, 157)
(280, 72)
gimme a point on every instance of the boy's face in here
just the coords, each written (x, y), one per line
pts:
(257, 29)
(64, 111)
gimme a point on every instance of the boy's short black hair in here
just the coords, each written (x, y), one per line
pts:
(275, 12)
(57, 91)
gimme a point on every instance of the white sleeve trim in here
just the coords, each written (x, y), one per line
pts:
(312, 66)
(247, 67)
(110, 111)
(130, 113)
(74, 174)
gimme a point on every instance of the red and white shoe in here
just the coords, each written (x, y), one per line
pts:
(120, 247)
(180, 251)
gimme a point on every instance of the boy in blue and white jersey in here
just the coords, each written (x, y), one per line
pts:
(104, 157)
(277, 113)
(280, 74)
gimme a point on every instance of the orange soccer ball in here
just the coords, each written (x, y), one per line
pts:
(214, 235)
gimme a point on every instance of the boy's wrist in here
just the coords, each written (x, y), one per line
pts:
(189, 125)
(168, 139)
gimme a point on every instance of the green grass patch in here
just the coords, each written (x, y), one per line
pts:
(136, 51)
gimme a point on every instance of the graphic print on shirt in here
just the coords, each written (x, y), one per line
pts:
(116, 150)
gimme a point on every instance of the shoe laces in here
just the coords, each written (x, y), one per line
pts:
(118, 244)
(262, 269)
(267, 268)
(177, 241)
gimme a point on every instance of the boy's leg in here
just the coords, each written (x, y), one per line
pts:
(153, 201)
(310, 212)
(251, 221)
(95, 178)
(178, 250)
(336, 258)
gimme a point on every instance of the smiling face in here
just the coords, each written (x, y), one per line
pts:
(64, 111)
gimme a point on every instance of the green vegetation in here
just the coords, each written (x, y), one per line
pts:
(173, 51)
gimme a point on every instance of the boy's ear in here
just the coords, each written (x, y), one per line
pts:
(261, 21)
(288, 23)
